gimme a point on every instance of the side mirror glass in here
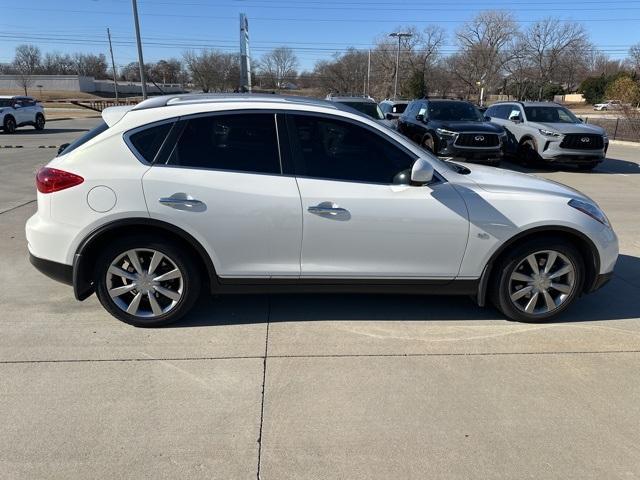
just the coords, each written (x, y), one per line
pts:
(421, 172)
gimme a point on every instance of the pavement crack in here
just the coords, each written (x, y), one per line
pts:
(264, 377)
(18, 206)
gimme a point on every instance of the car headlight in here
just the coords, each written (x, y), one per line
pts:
(590, 209)
(446, 133)
(549, 133)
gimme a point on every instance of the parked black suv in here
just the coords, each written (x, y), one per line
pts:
(453, 128)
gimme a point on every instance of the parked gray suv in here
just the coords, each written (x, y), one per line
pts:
(546, 131)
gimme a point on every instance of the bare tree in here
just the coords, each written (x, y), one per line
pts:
(548, 42)
(57, 63)
(345, 74)
(90, 65)
(212, 70)
(634, 56)
(484, 45)
(278, 67)
(26, 63)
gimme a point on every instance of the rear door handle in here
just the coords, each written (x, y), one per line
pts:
(180, 202)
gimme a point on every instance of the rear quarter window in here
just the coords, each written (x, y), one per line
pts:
(147, 142)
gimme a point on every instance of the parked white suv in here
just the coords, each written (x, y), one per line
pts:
(608, 105)
(248, 193)
(17, 111)
(546, 131)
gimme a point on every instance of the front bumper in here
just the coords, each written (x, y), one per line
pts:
(447, 149)
(57, 271)
(551, 151)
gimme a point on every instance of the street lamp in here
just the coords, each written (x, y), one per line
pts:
(399, 35)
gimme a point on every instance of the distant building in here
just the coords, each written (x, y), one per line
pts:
(78, 83)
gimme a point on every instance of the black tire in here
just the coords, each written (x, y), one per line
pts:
(500, 293)
(528, 153)
(428, 143)
(9, 124)
(587, 166)
(177, 256)
(39, 122)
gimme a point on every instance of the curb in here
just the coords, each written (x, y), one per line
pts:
(624, 142)
(11, 146)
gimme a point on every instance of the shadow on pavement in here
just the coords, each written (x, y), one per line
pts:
(620, 299)
(24, 132)
(609, 166)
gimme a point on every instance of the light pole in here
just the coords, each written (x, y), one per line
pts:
(399, 35)
(134, 5)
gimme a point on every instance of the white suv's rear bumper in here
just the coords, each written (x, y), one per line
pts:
(49, 240)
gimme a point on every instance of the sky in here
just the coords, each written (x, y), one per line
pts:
(315, 29)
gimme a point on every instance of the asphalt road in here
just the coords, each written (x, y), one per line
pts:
(317, 386)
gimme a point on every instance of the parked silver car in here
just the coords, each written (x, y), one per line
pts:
(546, 131)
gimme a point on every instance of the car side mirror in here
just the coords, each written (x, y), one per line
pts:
(420, 117)
(421, 172)
(62, 147)
(515, 119)
(16, 106)
(487, 118)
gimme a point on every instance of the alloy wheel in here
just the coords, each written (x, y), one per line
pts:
(10, 125)
(542, 282)
(144, 283)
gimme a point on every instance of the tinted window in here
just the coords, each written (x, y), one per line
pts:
(399, 108)
(340, 150)
(551, 114)
(101, 127)
(148, 141)
(370, 109)
(6, 102)
(453, 111)
(240, 142)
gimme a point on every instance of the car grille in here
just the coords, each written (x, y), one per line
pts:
(471, 140)
(588, 141)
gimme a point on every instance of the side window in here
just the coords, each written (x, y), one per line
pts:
(514, 112)
(339, 150)
(385, 107)
(29, 102)
(245, 142)
(148, 141)
(492, 112)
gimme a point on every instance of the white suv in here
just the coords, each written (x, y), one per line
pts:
(16, 111)
(248, 193)
(546, 131)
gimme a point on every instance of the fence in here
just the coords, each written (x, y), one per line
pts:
(618, 128)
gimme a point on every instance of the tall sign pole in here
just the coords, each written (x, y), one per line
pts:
(245, 59)
(134, 4)
(113, 66)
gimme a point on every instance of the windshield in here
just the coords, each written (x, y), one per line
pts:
(554, 114)
(453, 111)
(5, 102)
(101, 127)
(370, 109)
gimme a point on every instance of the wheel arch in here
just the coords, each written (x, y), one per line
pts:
(87, 251)
(585, 246)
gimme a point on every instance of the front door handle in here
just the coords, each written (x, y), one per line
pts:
(329, 209)
(181, 202)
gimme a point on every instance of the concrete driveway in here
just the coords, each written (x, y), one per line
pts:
(317, 386)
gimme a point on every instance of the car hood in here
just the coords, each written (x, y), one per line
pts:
(498, 180)
(469, 127)
(571, 127)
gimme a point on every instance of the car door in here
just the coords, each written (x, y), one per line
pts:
(22, 112)
(361, 218)
(222, 182)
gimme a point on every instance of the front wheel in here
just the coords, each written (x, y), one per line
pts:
(538, 280)
(146, 282)
(429, 143)
(528, 153)
(39, 122)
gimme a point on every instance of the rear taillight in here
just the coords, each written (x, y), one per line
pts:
(49, 180)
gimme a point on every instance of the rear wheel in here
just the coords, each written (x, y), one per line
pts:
(9, 125)
(39, 122)
(538, 280)
(146, 282)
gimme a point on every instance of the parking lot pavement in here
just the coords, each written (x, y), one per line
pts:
(355, 386)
